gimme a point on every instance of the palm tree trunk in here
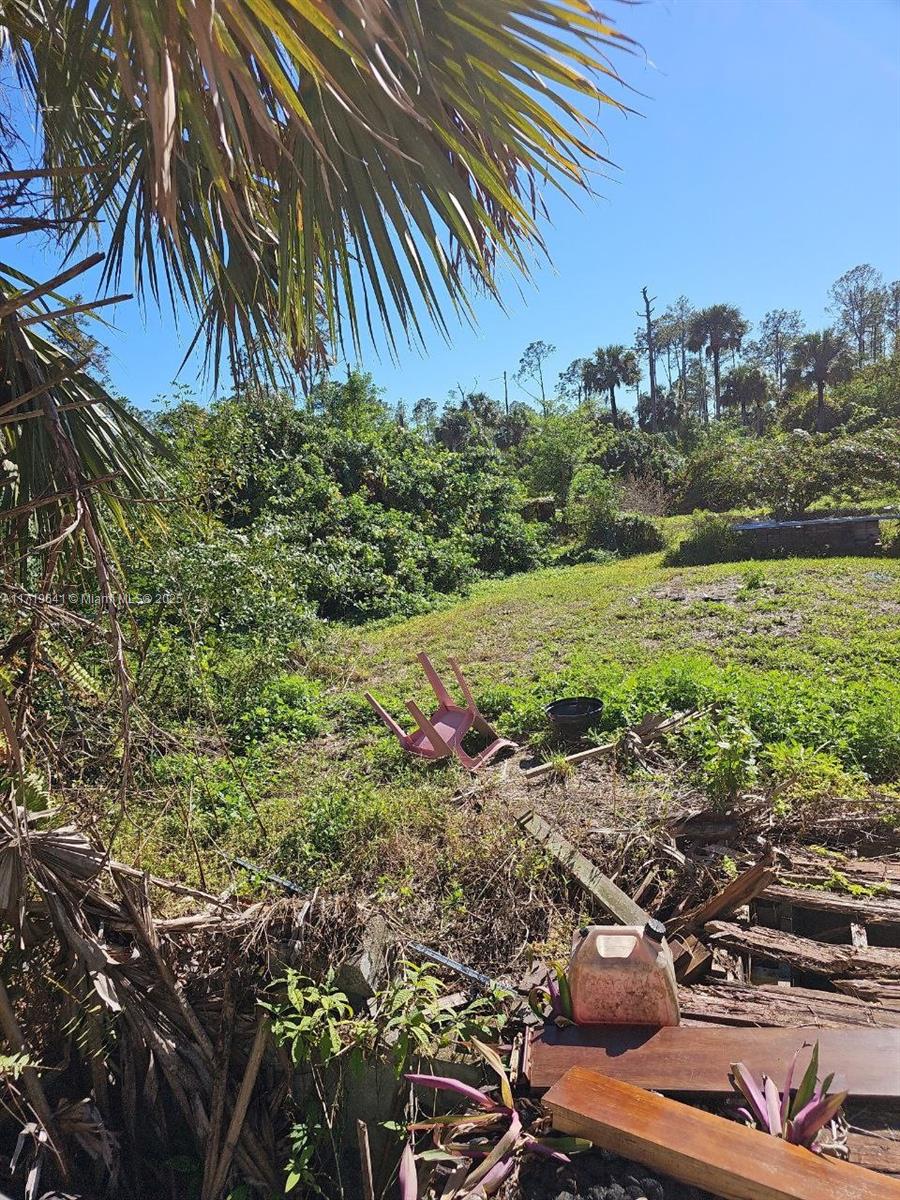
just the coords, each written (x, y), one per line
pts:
(820, 404)
(612, 406)
(716, 383)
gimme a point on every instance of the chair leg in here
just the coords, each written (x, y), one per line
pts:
(443, 696)
(440, 747)
(480, 722)
(386, 717)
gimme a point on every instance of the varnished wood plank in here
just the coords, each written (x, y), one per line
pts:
(696, 1060)
(602, 889)
(734, 1004)
(772, 945)
(701, 1149)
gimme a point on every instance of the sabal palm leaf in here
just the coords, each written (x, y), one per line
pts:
(62, 437)
(299, 169)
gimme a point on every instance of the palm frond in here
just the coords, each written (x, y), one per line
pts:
(295, 171)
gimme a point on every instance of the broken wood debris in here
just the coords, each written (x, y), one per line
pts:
(653, 727)
(742, 890)
(736, 1004)
(691, 958)
(822, 958)
(701, 1149)
(869, 910)
(599, 886)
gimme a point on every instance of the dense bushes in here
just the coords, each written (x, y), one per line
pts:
(336, 509)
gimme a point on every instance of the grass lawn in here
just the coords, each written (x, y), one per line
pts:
(838, 616)
(810, 647)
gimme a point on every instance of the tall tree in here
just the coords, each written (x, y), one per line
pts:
(855, 298)
(746, 388)
(776, 334)
(893, 314)
(531, 370)
(610, 367)
(570, 382)
(676, 320)
(720, 328)
(820, 360)
(651, 360)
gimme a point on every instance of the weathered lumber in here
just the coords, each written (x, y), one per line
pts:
(735, 1004)
(572, 759)
(874, 1135)
(698, 1148)
(602, 889)
(810, 869)
(823, 958)
(869, 910)
(690, 958)
(742, 890)
(696, 1060)
(880, 991)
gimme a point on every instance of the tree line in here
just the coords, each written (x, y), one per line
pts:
(701, 365)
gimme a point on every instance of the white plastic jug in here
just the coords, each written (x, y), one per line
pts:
(623, 975)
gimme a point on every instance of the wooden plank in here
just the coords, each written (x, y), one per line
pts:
(823, 958)
(602, 889)
(733, 1004)
(700, 1149)
(742, 890)
(696, 1060)
(869, 910)
(874, 1135)
(885, 992)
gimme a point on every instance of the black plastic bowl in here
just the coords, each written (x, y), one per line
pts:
(573, 717)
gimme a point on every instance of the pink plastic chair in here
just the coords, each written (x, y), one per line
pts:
(441, 734)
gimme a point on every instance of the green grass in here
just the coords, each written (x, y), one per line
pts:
(802, 654)
(835, 617)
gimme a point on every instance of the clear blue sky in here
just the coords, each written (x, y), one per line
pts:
(765, 162)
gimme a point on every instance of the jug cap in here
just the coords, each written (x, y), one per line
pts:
(654, 930)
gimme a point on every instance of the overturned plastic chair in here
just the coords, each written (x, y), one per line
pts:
(441, 734)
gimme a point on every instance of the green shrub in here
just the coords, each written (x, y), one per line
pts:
(711, 538)
(287, 708)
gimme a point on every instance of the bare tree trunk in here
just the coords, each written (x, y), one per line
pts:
(612, 406)
(651, 356)
(820, 404)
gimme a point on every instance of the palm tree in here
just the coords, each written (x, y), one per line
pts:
(819, 359)
(719, 328)
(746, 388)
(608, 368)
(290, 175)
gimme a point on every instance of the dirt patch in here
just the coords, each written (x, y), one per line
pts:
(723, 591)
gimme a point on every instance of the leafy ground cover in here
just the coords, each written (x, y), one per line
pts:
(801, 657)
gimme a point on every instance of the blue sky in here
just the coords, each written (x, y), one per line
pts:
(765, 162)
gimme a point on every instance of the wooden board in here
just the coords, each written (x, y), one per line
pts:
(871, 910)
(696, 1060)
(701, 1149)
(735, 1004)
(602, 889)
(824, 958)
(741, 890)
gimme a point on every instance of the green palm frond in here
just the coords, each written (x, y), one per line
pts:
(298, 170)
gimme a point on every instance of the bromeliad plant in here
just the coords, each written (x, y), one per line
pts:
(797, 1119)
(476, 1152)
